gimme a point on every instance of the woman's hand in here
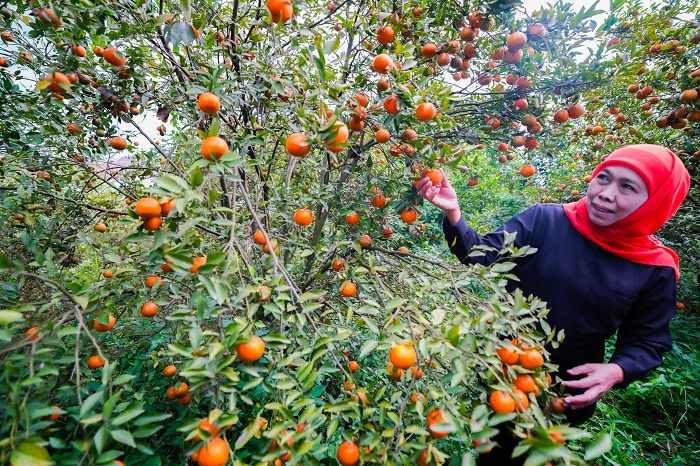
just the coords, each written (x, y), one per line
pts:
(442, 196)
(599, 379)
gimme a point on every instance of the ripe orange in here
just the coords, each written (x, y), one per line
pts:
(365, 241)
(382, 135)
(107, 274)
(434, 175)
(3, 62)
(297, 144)
(149, 309)
(362, 99)
(118, 143)
(353, 366)
(501, 402)
(561, 116)
(208, 103)
(382, 63)
(338, 264)
(527, 170)
(78, 50)
(348, 453)
(101, 227)
(58, 82)
(403, 250)
(147, 207)
(270, 246)
(259, 237)
(521, 400)
(433, 419)
(167, 206)
(182, 389)
(216, 451)
(281, 11)
(337, 142)
(95, 362)
(426, 111)
(208, 427)
(152, 223)
(516, 40)
(171, 393)
(185, 399)
(531, 359)
(213, 146)
(73, 128)
(303, 217)
(575, 110)
(112, 57)
(100, 327)
(7, 36)
(508, 356)
(689, 95)
(409, 135)
(403, 355)
(409, 215)
(152, 280)
(394, 372)
(383, 84)
(55, 413)
(99, 51)
(32, 333)
(385, 35)
(169, 371)
(379, 201)
(348, 289)
(417, 372)
(353, 218)
(526, 383)
(197, 263)
(391, 104)
(428, 50)
(251, 350)
(557, 437)
(557, 405)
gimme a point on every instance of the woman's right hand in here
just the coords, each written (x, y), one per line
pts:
(442, 196)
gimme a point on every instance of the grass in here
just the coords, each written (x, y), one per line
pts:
(656, 421)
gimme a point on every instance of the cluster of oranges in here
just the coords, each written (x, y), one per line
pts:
(180, 393)
(268, 244)
(212, 147)
(527, 358)
(151, 211)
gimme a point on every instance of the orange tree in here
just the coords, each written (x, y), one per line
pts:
(239, 286)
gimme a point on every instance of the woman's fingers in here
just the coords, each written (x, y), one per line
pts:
(585, 382)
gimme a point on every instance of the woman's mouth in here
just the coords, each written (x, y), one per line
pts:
(602, 210)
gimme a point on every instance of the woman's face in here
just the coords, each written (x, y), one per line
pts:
(614, 194)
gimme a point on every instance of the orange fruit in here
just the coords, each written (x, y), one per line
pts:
(297, 144)
(394, 372)
(526, 383)
(689, 95)
(361, 99)
(152, 280)
(365, 241)
(382, 135)
(521, 400)
(337, 143)
(100, 327)
(259, 237)
(403, 355)
(391, 104)
(557, 405)
(169, 371)
(182, 389)
(303, 217)
(382, 63)
(501, 402)
(112, 57)
(444, 59)
(208, 103)
(78, 50)
(348, 289)
(531, 359)
(99, 51)
(101, 227)
(516, 40)
(379, 200)
(167, 206)
(557, 437)
(216, 450)
(149, 309)
(95, 362)
(561, 116)
(118, 143)
(403, 250)
(208, 427)
(385, 35)
(58, 82)
(185, 399)
(353, 218)
(197, 263)
(348, 453)
(213, 146)
(281, 11)
(426, 111)
(417, 372)
(434, 175)
(251, 350)
(433, 419)
(166, 266)
(383, 84)
(409, 215)
(428, 50)
(32, 333)
(575, 110)
(338, 264)
(527, 170)
(353, 366)
(416, 397)
(147, 207)
(73, 128)
(270, 246)
(107, 274)
(171, 393)
(55, 413)
(508, 356)
(152, 223)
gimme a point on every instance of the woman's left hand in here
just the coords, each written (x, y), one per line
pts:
(599, 378)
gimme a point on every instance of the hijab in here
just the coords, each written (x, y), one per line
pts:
(667, 182)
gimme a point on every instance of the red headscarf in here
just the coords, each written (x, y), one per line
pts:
(667, 182)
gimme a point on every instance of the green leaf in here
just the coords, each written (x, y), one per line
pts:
(127, 415)
(90, 403)
(29, 453)
(601, 444)
(367, 347)
(8, 317)
(172, 184)
(123, 436)
(100, 439)
(196, 177)
(142, 421)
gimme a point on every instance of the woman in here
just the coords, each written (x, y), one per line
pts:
(599, 268)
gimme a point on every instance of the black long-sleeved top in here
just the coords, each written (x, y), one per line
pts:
(591, 292)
